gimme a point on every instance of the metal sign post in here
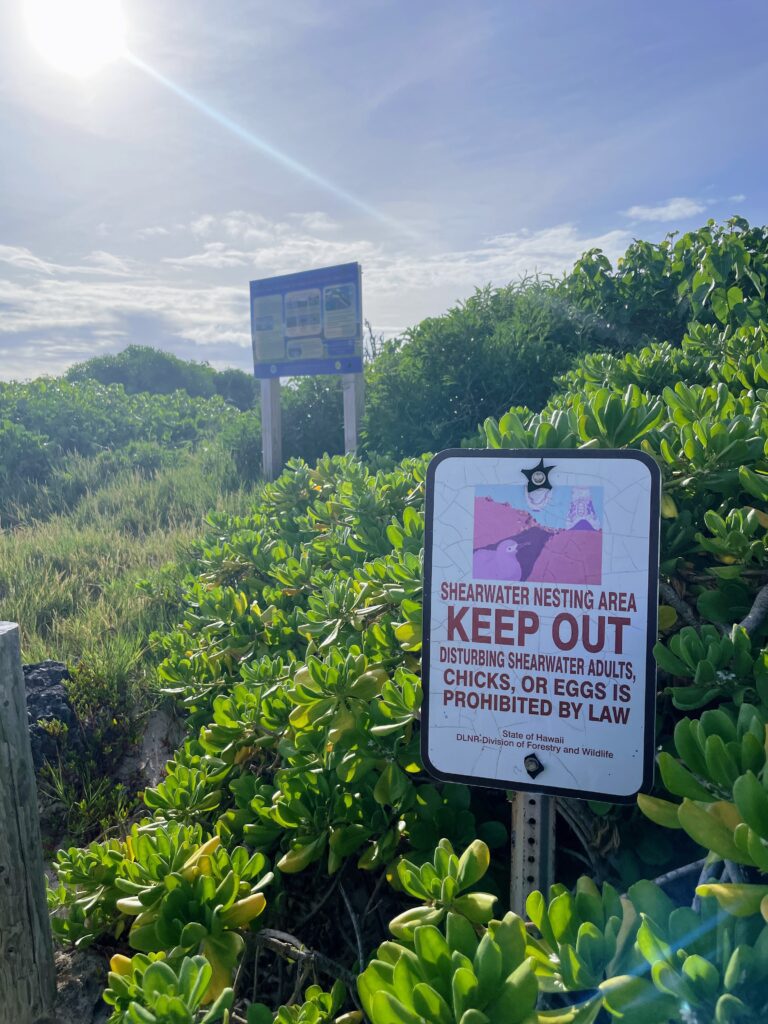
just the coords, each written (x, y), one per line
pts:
(533, 847)
(540, 605)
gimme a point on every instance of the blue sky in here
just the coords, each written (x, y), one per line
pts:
(479, 141)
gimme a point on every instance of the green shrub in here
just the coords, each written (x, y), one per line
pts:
(241, 440)
(147, 990)
(312, 418)
(716, 275)
(431, 388)
(142, 368)
(297, 664)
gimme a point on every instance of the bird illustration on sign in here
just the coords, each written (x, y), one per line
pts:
(537, 531)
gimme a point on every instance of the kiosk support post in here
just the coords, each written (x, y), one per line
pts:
(533, 847)
(352, 385)
(271, 429)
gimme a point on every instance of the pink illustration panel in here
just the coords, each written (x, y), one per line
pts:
(555, 536)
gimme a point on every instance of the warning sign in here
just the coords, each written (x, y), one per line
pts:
(540, 605)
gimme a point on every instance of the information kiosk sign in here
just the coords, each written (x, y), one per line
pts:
(540, 607)
(308, 323)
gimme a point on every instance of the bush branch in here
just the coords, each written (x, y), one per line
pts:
(757, 613)
(355, 925)
(683, 609)
(289, 947)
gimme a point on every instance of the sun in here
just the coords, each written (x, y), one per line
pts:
(78, 37)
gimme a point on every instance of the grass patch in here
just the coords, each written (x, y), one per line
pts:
(89, 586)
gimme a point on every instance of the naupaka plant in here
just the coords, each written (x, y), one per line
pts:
(297, 666)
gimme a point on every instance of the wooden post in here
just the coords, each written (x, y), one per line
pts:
(352, 385)
(27, 978)
(533, 847)
(271, 429)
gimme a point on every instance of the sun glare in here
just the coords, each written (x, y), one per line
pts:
(78, 37)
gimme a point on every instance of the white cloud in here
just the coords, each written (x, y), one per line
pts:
(109, 263)
(316, 220)
(673, 209)
(97, 263)
(55, 314)
(202, 225)
(152, 232)
(20, 258)
(215, 255)
(737, 198)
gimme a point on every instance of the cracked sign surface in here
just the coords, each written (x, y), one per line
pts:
(540, 606)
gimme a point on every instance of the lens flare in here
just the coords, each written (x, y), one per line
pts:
(78, 37)
(263, 146)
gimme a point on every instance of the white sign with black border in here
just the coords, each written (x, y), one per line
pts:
(540, 609)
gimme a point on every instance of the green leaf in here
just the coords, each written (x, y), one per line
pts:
(465, 989)
(461, 935)
(258, 1013)
(753, 483)
(703, 976)
(473, 864)
(517, 998)
(582, 1013)
(730, 1010)
(667, 617)
(470, 1017)
(709, 832)
(510, 935)
(651, 901)
(636, 1001)
(404, 925)
(477, 906)
(216, 1011)
(430, 1005)
(662, 812)
(488, 965)
(404, 979)
(561, 917)
(385, 1009)
(679, 780)
(432, 948)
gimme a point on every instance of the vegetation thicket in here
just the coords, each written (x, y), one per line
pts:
(59, 440)
(312, 417)
(501, 347)
(140, 368)
(296, 837)
(100, 489)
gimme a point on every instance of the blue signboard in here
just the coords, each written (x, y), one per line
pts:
(308, 323)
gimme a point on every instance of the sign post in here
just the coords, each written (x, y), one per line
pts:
(533, 847)
(307, 324)
(540, 606)
(27, 976)
(352, 385)
(271, 429)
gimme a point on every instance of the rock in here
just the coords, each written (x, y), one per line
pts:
(81, 979)
(47, 700)
(144, 767)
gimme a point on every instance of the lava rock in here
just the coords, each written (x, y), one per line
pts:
(81, 979)
(47, 700)
(144, 766)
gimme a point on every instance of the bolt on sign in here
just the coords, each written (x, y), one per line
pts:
(540, 606)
